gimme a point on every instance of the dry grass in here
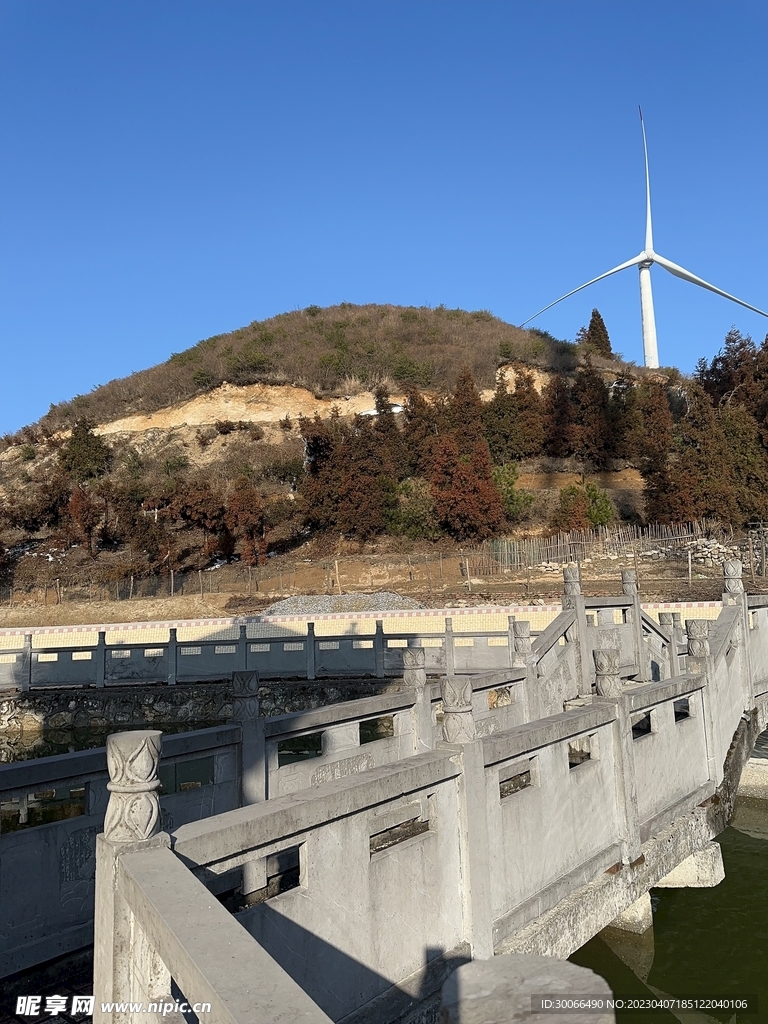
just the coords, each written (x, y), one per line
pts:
(331, 349)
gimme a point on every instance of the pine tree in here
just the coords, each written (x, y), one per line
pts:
(499, 421)
(246, 518)
(421, 428)
(593, 440)
(85, 454)
(597, 339)
(465, 413)
(85, 514)
(467, 502)
(652, 444)
(558, 414)
(528, 421)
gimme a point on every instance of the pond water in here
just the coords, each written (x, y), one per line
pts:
(703, 941)
(64, 741)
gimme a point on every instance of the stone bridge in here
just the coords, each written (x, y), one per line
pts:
(520, 810)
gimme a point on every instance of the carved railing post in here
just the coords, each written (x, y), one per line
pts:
(458, 722)
(245, 711)
(607, 678)
(252, 761)
(459, 727)
(571, 585)
(415, 678)
(133, 811)
(522, 637)
(310, 651)
(629, 588)
(667, 621)
(629, 582)
(574, 601)
(450, 650)
(126, 966)
(733, 585)
(378, 649)
(698, 639)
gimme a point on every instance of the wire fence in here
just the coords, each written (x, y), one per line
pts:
(658, 552)
(623, 541)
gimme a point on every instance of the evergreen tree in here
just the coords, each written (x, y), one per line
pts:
(624, 418)
(749, 460)
(582, 507)
(652, 444)
(245, 517)
(467, 502)
(701, 450)
(84, 454)
(421, 428)
(499, 421)
(597, 339)
(528, 420)
(593, 440)
(85, 514)
(465, 413)
(558, 414)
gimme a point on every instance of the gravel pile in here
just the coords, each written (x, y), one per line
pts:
(325, 604)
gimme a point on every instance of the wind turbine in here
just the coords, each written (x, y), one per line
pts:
(645, 261)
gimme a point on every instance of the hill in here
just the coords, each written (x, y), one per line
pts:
(260, 442)
(333, 351)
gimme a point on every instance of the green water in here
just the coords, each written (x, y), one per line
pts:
(705, 941)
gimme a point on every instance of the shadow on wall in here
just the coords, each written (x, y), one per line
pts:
(344, 988)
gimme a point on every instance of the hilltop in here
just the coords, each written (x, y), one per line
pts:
(336, 351)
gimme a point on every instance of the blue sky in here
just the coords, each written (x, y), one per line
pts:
(172, 170)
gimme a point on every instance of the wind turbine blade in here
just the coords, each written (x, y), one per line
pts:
(630, 263)
(686, 275)
(648, 224)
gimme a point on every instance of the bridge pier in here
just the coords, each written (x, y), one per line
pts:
(702, 870)
(637, 918)
(502, 990)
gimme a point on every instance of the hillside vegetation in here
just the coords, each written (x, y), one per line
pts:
(447, 469)
(328, 351)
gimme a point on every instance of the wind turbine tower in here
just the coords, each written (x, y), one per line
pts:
(645, 261)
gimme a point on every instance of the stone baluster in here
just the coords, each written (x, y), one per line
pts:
(522, 638)
(629, 582)
(698, 651)
(126, 966)
(458, 722)
(459, 727)
(133, 811)
(667, 622)
(415, 678)
(733, 585)
(245, 711)
(571, 585)
(607, 678)
(677, 619)
(379, 643)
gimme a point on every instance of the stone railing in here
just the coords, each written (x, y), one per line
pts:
(303, 655)
(52, 913)
(624, 778)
